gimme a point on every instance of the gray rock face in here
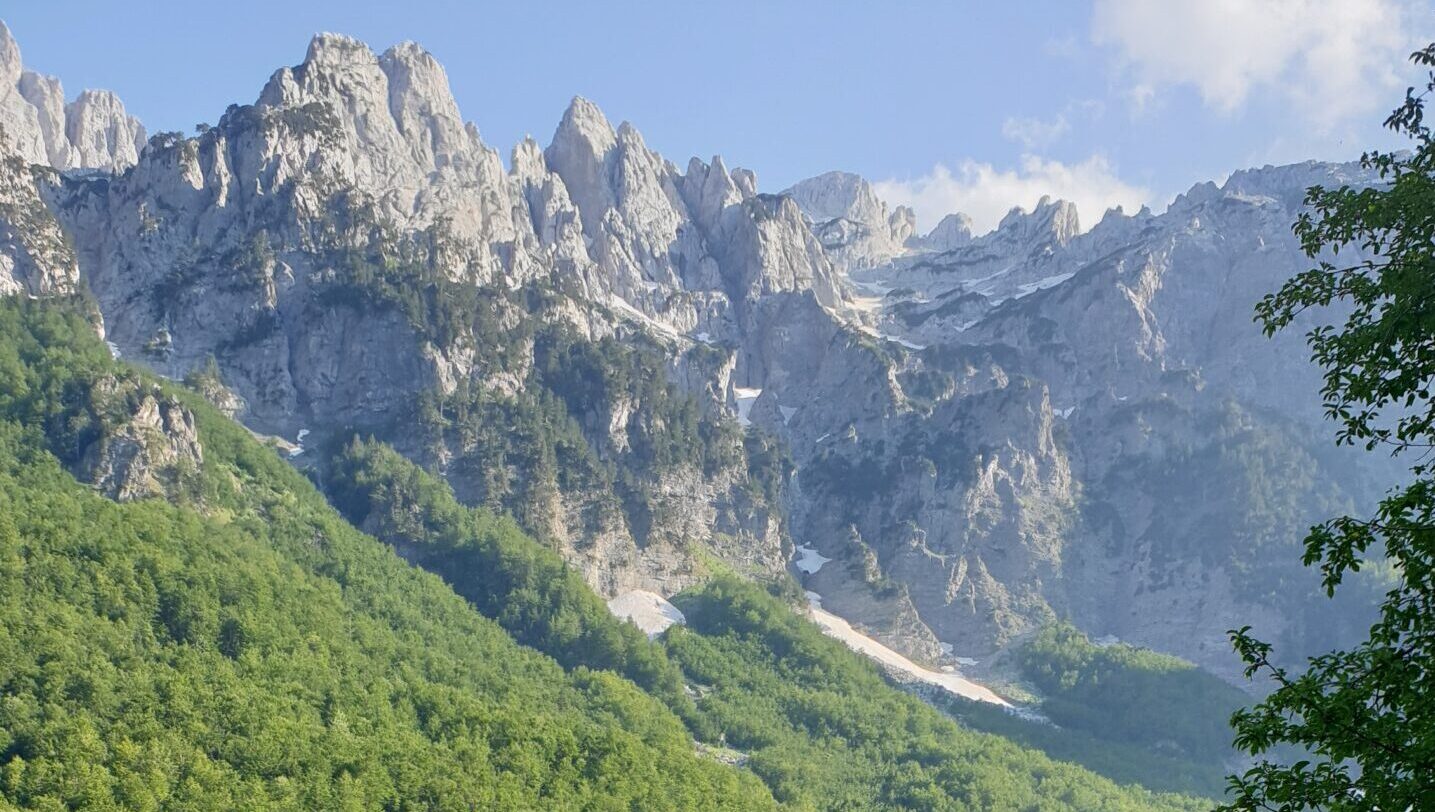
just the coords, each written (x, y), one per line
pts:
(35, 257)
(47, 96)
(853, 225)
(101, 134)
(151, 451)
(91, 132)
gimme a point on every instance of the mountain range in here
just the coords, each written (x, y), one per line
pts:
(668, 375)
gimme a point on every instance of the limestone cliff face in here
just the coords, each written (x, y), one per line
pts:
(35, 257)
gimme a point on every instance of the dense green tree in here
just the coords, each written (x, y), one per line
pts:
(1364, 717)
(1128, 694)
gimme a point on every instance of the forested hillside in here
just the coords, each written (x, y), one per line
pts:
(825, 731)
(246, 648)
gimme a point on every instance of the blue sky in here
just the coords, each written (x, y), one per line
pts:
(947, 105)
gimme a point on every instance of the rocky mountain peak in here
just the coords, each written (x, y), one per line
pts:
(526, 161)
(746, 181)
(330, 49)
(387, 126)
(1287, 184)
(584, 126)
(953, 231)
(101, 134)
(1051, 219)
(19, 120)
(10, 62)
(1195, 196)
(903, 223)
(834, 195)
(709, 189)
(423, 105)
(47, 96)
(579, 154)
(849, 219)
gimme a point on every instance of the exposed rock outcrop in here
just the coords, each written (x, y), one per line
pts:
(150, 449)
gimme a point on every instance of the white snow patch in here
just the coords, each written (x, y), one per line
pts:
(1065, 413)
(836, 627)
(1043, 284)
(114, 349)
(889, 337)
(745, 398)
(982, 285)
(648, 611)
(904, 342)
(873, 288)
(809, 560)
(704, 338)
(823, 437)
(298, 448)
(787, 413)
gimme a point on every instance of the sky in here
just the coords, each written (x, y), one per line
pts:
(945, 106)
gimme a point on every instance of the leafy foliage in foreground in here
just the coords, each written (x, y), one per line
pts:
(1365, 715)
(826, 731)
(262, 653)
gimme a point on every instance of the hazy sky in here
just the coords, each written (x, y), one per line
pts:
(948, 105)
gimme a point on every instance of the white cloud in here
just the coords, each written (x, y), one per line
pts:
(986, 193)
(1035, 132)
(1333, 59)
